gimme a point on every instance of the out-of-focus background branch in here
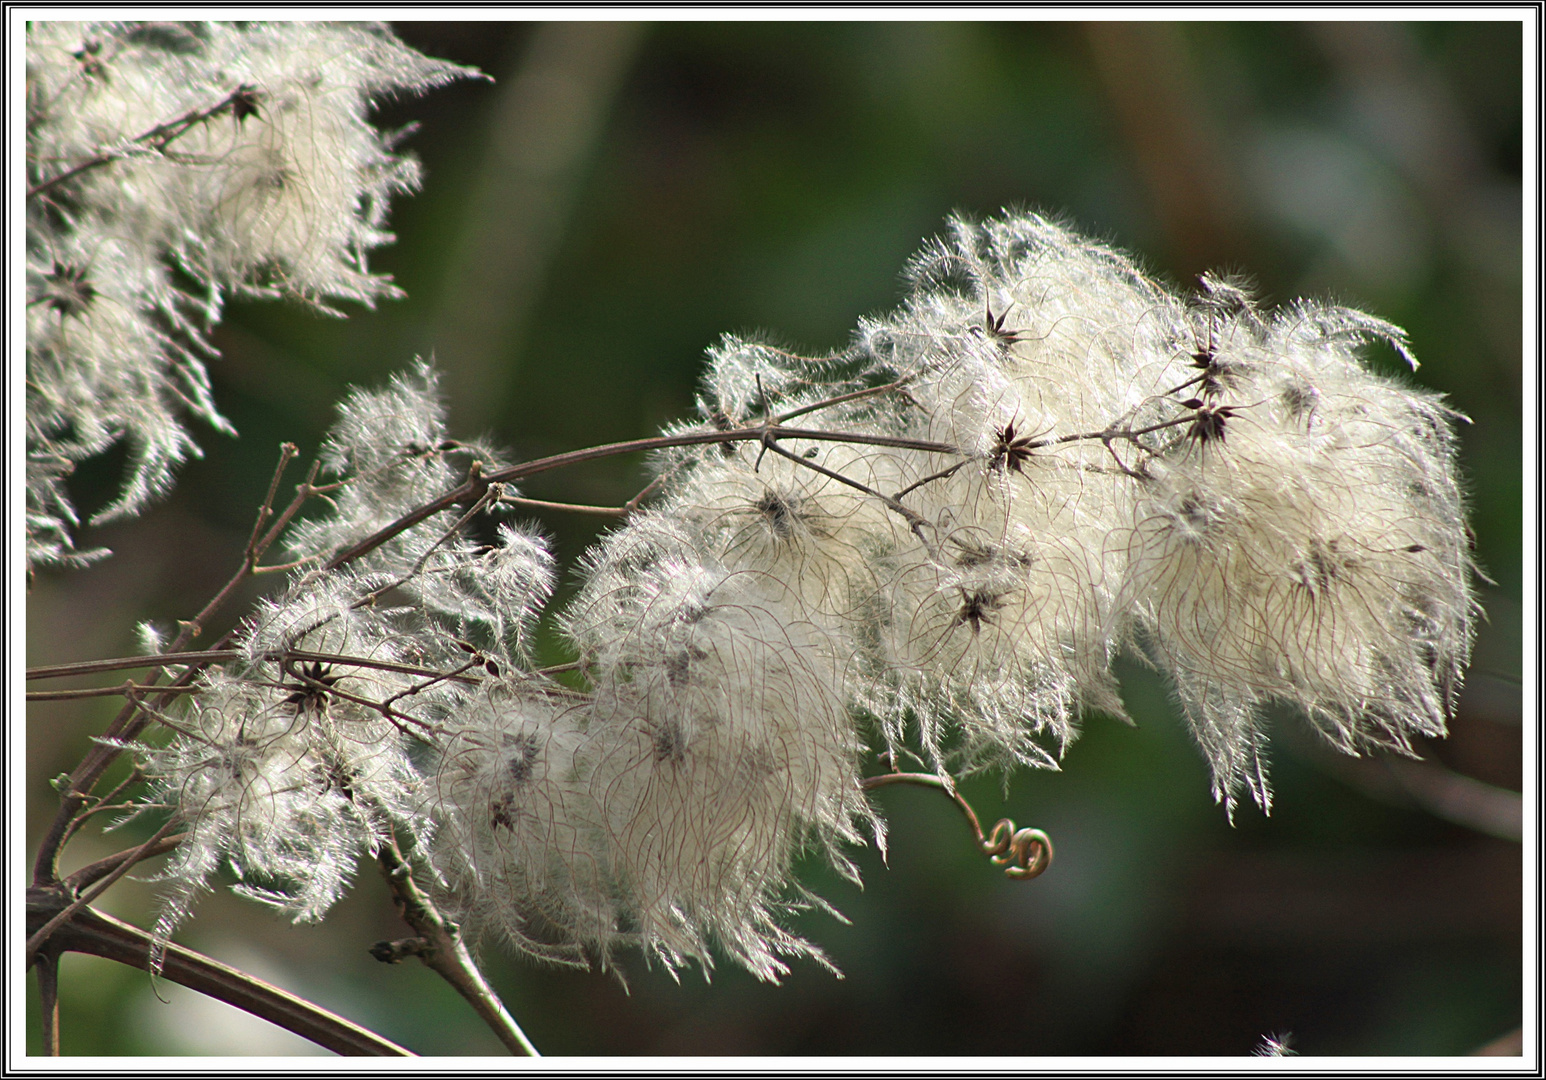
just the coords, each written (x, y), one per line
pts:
(623, 194)
(546, 129)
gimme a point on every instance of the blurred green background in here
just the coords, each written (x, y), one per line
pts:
(622, 195)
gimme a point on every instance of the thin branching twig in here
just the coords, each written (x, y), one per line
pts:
(131, 719)
(153, 141)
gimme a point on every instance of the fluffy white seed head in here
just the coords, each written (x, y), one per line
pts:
(1042, 458)
(169, 166)
(1308, 547)
(1231, 489)
(717, 742)
(281, 786)
(521, 847)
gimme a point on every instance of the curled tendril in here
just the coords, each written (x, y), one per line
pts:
(1023, 853)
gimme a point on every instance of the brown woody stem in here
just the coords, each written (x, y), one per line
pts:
(89, 931)
(48, 994)
(440, 946)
